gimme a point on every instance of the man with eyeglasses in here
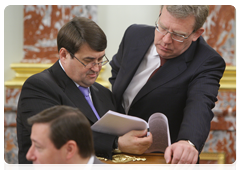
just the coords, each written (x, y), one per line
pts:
(70, 81)
(170, 69)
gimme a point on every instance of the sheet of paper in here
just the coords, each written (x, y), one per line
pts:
(158, 126)
(118, 124)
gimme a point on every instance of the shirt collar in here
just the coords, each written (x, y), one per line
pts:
(155, 50)
(64, 71)
(61, 65)
(89, 164)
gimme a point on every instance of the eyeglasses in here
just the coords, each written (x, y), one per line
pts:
(104, 61)
(164, 31)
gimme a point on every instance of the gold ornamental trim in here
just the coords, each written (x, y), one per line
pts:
(126, 158)
(220, 157)
(121, 158)
(158, 158)
(228, 81)
(25, 70)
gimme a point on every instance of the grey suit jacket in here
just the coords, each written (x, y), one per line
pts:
(53, 87)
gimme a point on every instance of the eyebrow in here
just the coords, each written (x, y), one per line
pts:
(33, 140)
(178, 33)
(93, 58)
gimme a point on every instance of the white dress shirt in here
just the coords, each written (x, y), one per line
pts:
(150, 63)
(76, 83)
(89, 164)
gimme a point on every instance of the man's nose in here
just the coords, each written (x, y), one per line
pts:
(96, 67)
(30, 154)
(167, 38)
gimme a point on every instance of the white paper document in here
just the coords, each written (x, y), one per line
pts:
(119, 124)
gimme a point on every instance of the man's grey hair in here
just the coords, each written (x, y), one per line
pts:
(200, 12)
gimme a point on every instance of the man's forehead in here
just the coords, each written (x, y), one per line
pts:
(40, 130)
(181, 25)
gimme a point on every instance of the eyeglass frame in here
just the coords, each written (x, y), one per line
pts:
(92, 63)
(182, 36)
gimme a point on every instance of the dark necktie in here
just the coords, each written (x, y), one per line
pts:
(85, 92)
(162, 62)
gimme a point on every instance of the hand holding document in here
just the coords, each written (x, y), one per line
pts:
(119, 124)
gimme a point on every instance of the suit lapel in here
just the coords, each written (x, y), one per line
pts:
(97, 100)
(171, 69)
(76, 96)
(130, 65)
(72, 92)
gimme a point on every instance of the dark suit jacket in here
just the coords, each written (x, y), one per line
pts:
(184, 88)
(53, 87)
(98, 165)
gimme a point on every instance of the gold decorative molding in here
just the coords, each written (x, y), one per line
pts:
(145, 158)
(121, 158)
(228, 81)
(25, 70)
(210, 156)
(158, 158)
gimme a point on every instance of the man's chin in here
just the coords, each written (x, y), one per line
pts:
(93, 79)
(165, 55)
(89, 83)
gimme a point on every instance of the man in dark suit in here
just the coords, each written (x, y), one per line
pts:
(183, 87)
(66, 137)
(71, 81)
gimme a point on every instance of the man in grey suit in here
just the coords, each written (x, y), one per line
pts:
(61, 135)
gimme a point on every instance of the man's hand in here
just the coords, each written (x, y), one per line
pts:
(135, 142)
(181, 152)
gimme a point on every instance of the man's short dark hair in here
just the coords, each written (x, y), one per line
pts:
(79, 31)
(67, 123)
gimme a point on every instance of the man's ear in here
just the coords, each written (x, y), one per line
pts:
(71, 149)
(63, 54)
(198, 33)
